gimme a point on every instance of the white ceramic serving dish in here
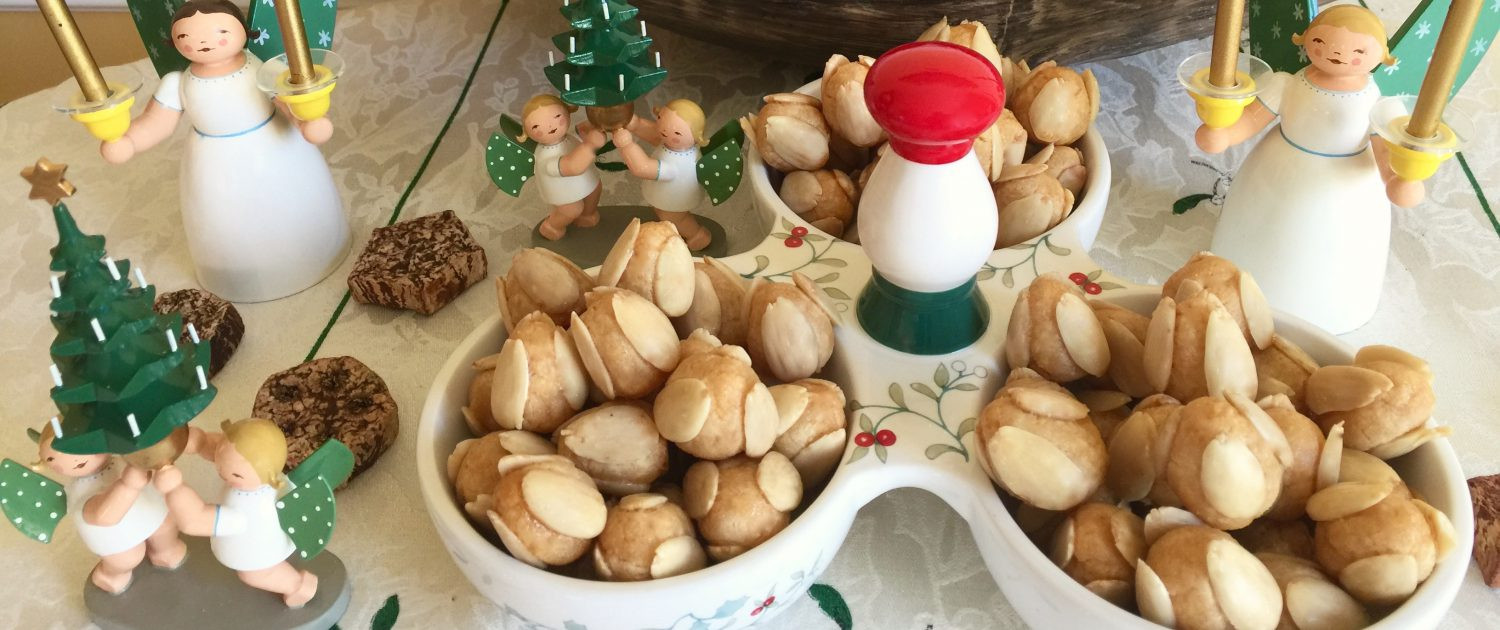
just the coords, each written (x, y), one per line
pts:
(927, 402)
(1083, 223)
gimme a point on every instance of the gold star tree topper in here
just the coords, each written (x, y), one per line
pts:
(47, 181)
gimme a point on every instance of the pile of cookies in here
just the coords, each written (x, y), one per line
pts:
(656, 418)
(1197, 468)
(826, 148)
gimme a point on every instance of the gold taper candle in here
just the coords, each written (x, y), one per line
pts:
(294, 38)
(1228, 22)
(74, 49)
(1447, 56)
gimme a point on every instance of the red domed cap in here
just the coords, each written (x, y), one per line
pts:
(933, 99)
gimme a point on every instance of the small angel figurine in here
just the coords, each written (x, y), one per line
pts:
(1309, 213)
(119, 516)
(674, 177)
(261, 212)
(246, 529)
(561, 164)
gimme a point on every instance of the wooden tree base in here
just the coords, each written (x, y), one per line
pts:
(587, 247)
(204, 594)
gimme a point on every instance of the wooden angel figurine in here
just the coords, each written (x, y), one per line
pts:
(246, 529)
(1309, 214)
(119, 516)
(561, 163)
(675, 176)
(261, 212)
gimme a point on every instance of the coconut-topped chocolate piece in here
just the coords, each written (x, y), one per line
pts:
(419, 264)
(213, 319)
(331, 397)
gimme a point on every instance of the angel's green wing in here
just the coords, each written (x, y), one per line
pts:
(32, 503)
(1272, 24)
(265, 41)
(720, 167)
(307, 511)
(153, 20)
(1413, 44)
(510, 163)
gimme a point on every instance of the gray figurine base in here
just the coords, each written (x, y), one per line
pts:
(204, 594)
(586, 247)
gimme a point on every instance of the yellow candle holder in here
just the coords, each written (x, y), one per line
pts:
(1412, 158)
(309, 100)
(1219, 107)
(107, 119)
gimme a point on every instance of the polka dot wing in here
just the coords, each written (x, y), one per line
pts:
(32, 503)
(720, 167)
(307, 509)
(510, 163)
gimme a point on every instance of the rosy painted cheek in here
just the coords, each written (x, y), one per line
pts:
(1357, 62)
(223, 42)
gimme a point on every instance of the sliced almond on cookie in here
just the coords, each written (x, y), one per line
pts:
(779, 481)
(676, 556)
(511, 385)
(761, 421)
(583, 341)
(1245, 591)
(563, 503)
(1344, 387)
(1160, 339)
(1345, 498)
(619, 256)
(682, 408)
(648, 330)
(1082, 335)
(700, 487)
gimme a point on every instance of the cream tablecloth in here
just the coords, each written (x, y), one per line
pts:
(909, 562)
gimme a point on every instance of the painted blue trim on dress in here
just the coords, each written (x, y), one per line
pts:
(237, 133)
(163, 104)
(1263, 103)
(1303, 149)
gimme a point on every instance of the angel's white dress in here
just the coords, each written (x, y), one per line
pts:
(262, 215)
(247, 532)
(144, 517)
(1307, 214)
(559, 189)
(675, 188)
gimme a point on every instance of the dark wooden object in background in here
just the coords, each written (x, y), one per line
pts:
(807, 31)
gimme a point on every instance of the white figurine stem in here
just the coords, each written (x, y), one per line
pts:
(643, 28)
(56, 427)
(56, 287)
(606, 8)
(193, 333)
(135, 430)
(658, 58)
(572, 44)
(551, 59)
(114, 271)
(98, 330)
(140, 277)
(567, 82)
(622, 83)
(171, 340)
(56, 374)
(202, 378)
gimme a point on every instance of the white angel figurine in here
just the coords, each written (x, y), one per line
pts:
(119, 516)
(1309, 213)
(246, 531)
(676, 176)
(262, 215)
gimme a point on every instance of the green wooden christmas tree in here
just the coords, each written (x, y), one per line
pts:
(607, 61)
(123, 382)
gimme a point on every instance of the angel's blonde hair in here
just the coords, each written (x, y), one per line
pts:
(537, 102)
(262, 444)
(1357, 19)
(690, 113)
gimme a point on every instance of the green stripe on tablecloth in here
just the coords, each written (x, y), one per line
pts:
(422, 168)
(1484, 204)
